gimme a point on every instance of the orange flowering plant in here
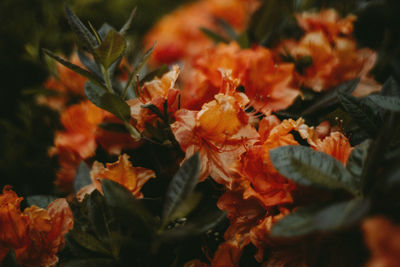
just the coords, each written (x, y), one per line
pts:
(265, 142)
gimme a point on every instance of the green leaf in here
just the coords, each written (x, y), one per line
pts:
(137, 68)
(182, 184)
(85, 37)
(90, 65)
(82, 177)
(194, 226)
(361, 111)
(121, 199)
(153, 108)
(228, 29)
(391, 88)
(187, 206)
(116, 106)
(356, 161)
(386, 102)
(128, 23)
(112, 48)
(214, 36)
(92, 77)
(243, 40)
(305, 221)
(113, 127)
(108, 101)
(89, 242)
(97, 214)
(42, 201)
(160, 71)
(90, 263)
(9, 260)
(308, 167)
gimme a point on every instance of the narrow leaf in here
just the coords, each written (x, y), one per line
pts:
(308, 167)
(153, 108)
(182, 184)
(227, 28)
(128, 23)
(84, 35)
(76, 68)
(82, 177)
(112, 47)
(116, 106)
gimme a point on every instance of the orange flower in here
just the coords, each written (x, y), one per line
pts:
(327, 21)
(178, 34)
(122, 172)
(155, 92)
(267, 84)
(219, 131)
(47, 229)
(13, 224)
(383, 239)
(335, 144)
(36, 235)
(66, 83)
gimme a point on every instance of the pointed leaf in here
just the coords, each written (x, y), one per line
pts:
(121, 199)
(128, 23)
(153, 108)
(356, 161)
(94, 93)
(182, 184)
(88, 241)
(90, 64)
(112, 47)
(104, 30)
(9, 260)
(227, 28)
(82, 177)
(116, 106)
(85, 37)
(305, 221)
(308, 167)
(386, 102)
(76, 68)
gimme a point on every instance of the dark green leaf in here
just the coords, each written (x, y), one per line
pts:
(230, 31)
(214, 36)
(97, 215)
(128, 23)
(42, 201)
(111, 49)
(356, 161)
(313, 219)
(116, 106)
(391, 88)
(243, 40)
(153, 109)
(94, 93)
(90, 64)
(85, 37)
(197, 225)
(182, 184)
(89, 242)
(330, 99)
(362, 113)
(308, 167)
(104, 30)
(119, 198)
(82, 177)
(386, 102)
(76, 68)
(9, 260)
(90, 263)
(137, 68)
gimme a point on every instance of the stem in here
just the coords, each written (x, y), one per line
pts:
(107, 78)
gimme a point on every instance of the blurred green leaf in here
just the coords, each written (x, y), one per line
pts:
(217, 38)
(86, 39)
(308, 220)
(308, 167)
(82, 177)
(111, 48)
(128, 23)
(9, 260)
(113, 127)
(42, 201)
(181, 185)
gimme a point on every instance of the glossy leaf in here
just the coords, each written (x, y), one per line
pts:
(82, 177)
(111, 48)
(85, 37)
(356, 161)
(92, 77)
(308, 167)
(181, 185)
(305, 221)
(120, 198)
